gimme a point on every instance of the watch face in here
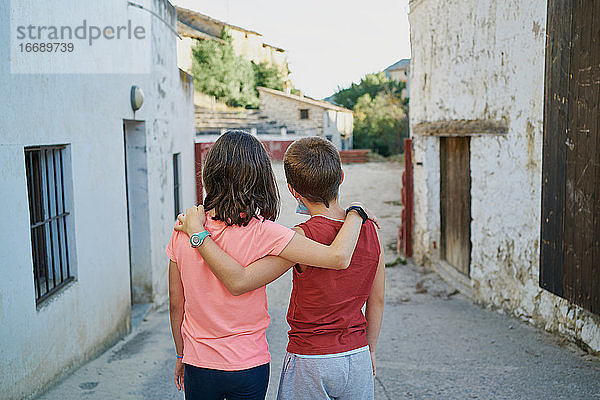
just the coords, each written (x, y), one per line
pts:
(195, 240)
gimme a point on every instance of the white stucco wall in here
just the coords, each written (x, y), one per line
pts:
(87, 112)
(171, 130)
(184, 53)
(338, 125)
(400, 75)
(485, 60)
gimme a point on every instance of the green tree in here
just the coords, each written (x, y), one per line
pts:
(268, 76)
(371, 84)
(219, 72)
(379, 123)
(380, 113)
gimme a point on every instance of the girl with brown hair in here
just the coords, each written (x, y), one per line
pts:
(220, 339)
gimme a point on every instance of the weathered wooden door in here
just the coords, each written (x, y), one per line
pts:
(570, 245)
(455, 202)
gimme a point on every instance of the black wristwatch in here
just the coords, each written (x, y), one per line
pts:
(360, 212)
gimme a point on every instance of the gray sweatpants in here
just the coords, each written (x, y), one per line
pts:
(341, 378)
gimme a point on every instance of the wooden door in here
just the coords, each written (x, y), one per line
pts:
(455, 202)
(570, 232)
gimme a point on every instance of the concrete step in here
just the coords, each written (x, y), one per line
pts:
(217, 121)
(212, 122)
(226, 113)
(262, 128)
(232, 124)
(275, 129)
(236, 118)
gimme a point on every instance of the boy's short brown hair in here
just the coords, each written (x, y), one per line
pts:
(313, 169)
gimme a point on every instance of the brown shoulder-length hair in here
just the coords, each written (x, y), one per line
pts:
(239, 180)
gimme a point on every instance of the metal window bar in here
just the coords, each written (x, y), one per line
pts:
(48, 211)
(176, 197)
(64, 221)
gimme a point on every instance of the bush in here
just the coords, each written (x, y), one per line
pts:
(371, 84)
(268, 76)
(219, 72)
(232, 79)
(379, 123)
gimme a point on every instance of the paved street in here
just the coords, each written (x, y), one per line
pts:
(434, 343)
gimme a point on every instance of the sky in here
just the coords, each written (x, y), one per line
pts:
(329, 43)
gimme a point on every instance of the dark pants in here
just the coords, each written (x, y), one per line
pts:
(212, 384)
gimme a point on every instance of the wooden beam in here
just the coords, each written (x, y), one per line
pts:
(461, 127)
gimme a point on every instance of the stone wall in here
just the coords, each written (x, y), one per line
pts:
(287, 111)
(328, 121)
(484, 60)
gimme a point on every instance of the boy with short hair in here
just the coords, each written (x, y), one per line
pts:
(331, 349)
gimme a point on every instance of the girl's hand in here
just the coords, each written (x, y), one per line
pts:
(193, 220)
(179, 372)
(370, 215)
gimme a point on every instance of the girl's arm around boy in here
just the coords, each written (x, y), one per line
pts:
(239, 280)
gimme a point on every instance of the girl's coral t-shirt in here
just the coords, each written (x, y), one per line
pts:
(222, 331)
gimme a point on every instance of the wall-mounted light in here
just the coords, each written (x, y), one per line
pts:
(137, 98)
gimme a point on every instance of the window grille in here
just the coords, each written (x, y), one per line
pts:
(304, 113)
(48, 214)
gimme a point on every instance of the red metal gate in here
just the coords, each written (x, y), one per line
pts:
(405, 232)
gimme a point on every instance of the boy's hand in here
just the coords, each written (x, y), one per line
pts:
(370, 215)
(193, 220)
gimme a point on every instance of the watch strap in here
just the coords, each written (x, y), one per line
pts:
(197, 238)
(360, 212)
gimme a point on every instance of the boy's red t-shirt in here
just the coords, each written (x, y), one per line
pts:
(325, 312)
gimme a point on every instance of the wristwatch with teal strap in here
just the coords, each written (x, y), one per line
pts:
(198, 238)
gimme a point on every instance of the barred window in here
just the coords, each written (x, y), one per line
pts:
(304, 113)
(176, 185)
(48, 217)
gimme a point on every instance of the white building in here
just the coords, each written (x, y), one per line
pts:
(484, 112)
(193, 26)
(89, 186)
(400, 71)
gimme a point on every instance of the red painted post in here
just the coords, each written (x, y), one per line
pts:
(405, 231)
(201, 149)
